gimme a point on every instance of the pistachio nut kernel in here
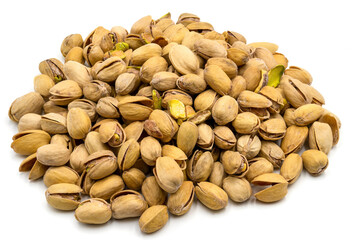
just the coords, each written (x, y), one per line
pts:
(153, 218)
(93, 211)
(63, 196)
(112, 133)
(212, 196)
(315, 161)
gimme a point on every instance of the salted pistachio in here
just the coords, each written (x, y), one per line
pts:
(217, 79)
(27, 142)
(93, 143)
(315, 161)
(106, 187)
(237, 86)
(168, 174)
(272, 129)
(187, 136)
(53, 155)
(334, 123)
(112, 133)
(320, 137)
(272, 47)
(248, 145)
(133, 178)
(294, 139)
(276, 192)
(199, 117)
(127, 83)
(110, 69)
(258, 166)
(153, 218)
(300, 74)
(292, 167)
(217, 174)
(143, 53)
(231, 37)
(272, 152)
(120, 31)
(29, 103)
(77, 72)
(235, 163)
(53, 68)
(212, 196)
(76, 54)
(95, 36)
(93, 211)
(78, 123)
(95, 90)
(266, 56)
(78, 157)
(289, 117)
(109, 41)
(65, 92)
(207, 48)
(238, 189)
(175, 33)
(307, 114)
(213, 35)
(296, 92)
(238, 56)
(183, 59)
(226, 64)
(135, 108)
(62, 174)
(200, 27)
(163, 81)
(175, 153)
(152, 192)
(127, 204)
(246, 123)
(37, 170)
(86, 105)
(107, 107)
(42, 84)
(71, 41)
(200, 166)
(191, 83)
(100, 164)
(63, 196)
(85, 182)
(29, 121)
(152, 66)
(249, 99)
(161, 125)
(252, 71)
(128, 154)
(93, 54)
(205, 100)
(187, 18)
(140, 25)
(206, 137)
(225, 110)
(316, 96)
(190, 39)
(180, 202)
(64, 140)
(224, 137)
(182, 96)
(134, 41)
(274, 96)
(53, 123)
(243, 46)
(134, 130)
(150, 150)
(281, 59)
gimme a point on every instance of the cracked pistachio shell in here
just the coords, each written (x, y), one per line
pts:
(153, 218)
(226, 64)
(234, 163)
(187, 136)
(289, 117)
(78, 158)
(168, 174)
(292, 167)
(30, 121)
(135, 108)
(182, 96)
(320, 137)
(205, 100)
(217, 174)
(53, 155)
(238, 189)
(212, 196)
(281, 59)
(152, 66)
(174, 152)
(29, 103)
(198, 117)
(77, 72)
(106, 187)
(42, 84)
(78, 123)
(249, 146)
(317, 98)
(128, 154)
(266, 56)
(239, 56)
(107, 107)
(127, 83)
(272, 47)
(241, 45)
(300, 74)
(65, 92)
(225, 110)
(95, 90)
(180, 202)
(207, 48)
(133, 178)
(206, 137)
(93, 143)
(274, 96)
(175, 33)
(112, 133)
(163, 81)
(190, 39)
(71, 41)
(258, 166)
(53, 123)
(246, 123)
(296, 92)
(231, 37)
(252, 72)
(272, 152)
(63, 139)
(237, 86)
(37, 170)
(88, 106)
(276, 192)
(53, 68)
(150, 150)
(134, 130)
(272, 129)
(76, 54)
(294, 139)
(201, 27)
(93, 211)
(217, 79)
(200, 166)
(224, 137)
(152, 192)
(334, 124)
(127, 204)
(140, 25)
(100, 164)
(183, 60)
(27, 142)
(85, 182)
(95, 36)
(161, 125)
(62, 174)
(120, 31)
(191, 83)
(307, 114)
(63, 196)
(134, 41)
(143, 53)
(315, 161)
(110, 69)
(108, 41)
(249, 99)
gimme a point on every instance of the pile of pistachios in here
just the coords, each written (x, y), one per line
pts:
(145, 122)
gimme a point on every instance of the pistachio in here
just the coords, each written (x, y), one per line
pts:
(182, 96)
(217, 79)
(218, 174)
(334, 124)
(143, 53)
(200, 166)
(281, 59)
(300, 74)
(127, 204)
(272, 129)
(71, 41)
(294, 139)
(161, 125)
(150, 150)
(292, 167)
(106, 187)
(53, 155)
(232, 37)
(191, 83)
(207, 48)
(88, 106)
(76, 54)
(65, 92)
(30, 121)
(62, 174)
(29, 103)
(152, 192)
(234, 163)
(296, 92)
(163, 81)
(238, 190)
(307, 114)
(63, 196)
(272, 152)
(187, 137)
(42, 84)
(53, 68)
(64, 140)
(93, 211)
(134, 130)
(226, 64)
(205, 100)
(93, 54)
(168, 174)
(127, 83)
(237, 86)
(180, 202)
(238, 56)
(100, 164)
(108, 107)
(93, 143)
(37, 170)
(78, 123)
(206, 137)
(211, 196)
(276, 192)
(153, 218)
(183, 59)
(133, 178)
(315, 161)
(95, 90)
(224, 137)
(135, 108)
(272, 47)
(225, 110)
(258, 166)
(152, 66)
(128, 154)
(266, 56)
(112, 133)
(252, 72)
(246, 123)
(249, 146)
(320, 137)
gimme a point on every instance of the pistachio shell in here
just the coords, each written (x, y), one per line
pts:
(225, 110)
(128, 154)
(200, 166)
(246, 123)
(315, 161)
(294, 139)
(152, 192)
(78, 123)
(239, 190)
(65, 92)
(77, 72)
(153, 219)
(218, 174)
(30, 121)
(150, 150)
(187, 137)
(183, 59)
(133, 178)
(272, 194)
(320, 137)
(307, 114)
(29, 103)
(63, 196)
(272, 152)
(217, 79)
(100, 164)
(62, 174)
(168, 174)
(106, 187)
(299, 74)
(334, 124)
(272, 129)
(127, 204)
(211, 196)
(93, 143)
(93, 211)
(258, 166)
(205, 100)
(272, 47)
(143, 53)
(180, 202)
(224, 137)
(291, 168)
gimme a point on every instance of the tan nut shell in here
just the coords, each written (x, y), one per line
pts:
(211, 196)
(180, 202)
(153, 219)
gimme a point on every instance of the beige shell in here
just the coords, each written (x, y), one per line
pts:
(29, 103)
(291, 167)
(183, 59)
(180, 202)
(294, 139)
(27, 142)
(238, 190)
(217, 79)
(127, 204)
(153, 219)
(93, 211)
(212, 196)
(320, 137)
(63, 196)
(78, 123)
(225, 110)
(168, 174)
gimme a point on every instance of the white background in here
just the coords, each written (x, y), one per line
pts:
(320, 36)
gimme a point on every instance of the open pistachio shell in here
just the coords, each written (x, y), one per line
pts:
(180, 202)
(294, 139)
(27, 142)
